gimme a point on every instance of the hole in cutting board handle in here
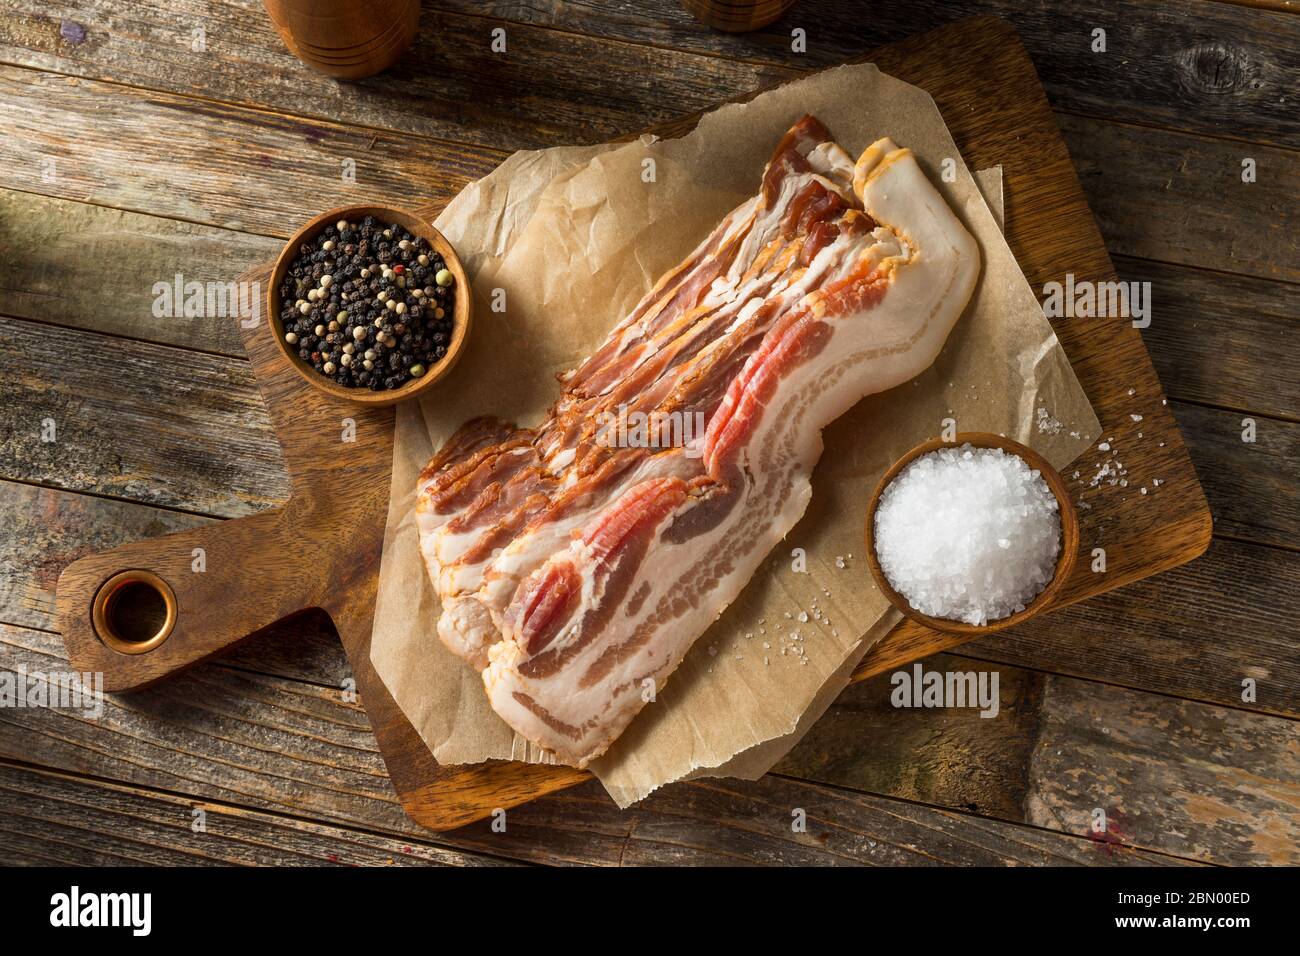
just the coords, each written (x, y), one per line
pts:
(134, 612)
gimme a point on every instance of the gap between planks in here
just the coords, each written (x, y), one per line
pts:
(193, 800)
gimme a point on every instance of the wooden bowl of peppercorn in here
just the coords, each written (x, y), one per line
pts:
(369, 304)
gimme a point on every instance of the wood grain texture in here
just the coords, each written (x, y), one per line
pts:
(1175, 198)
(52, 819)
(944, 757)
(1186, 64)
(1253, 487)
(1236, 799)
(46, 529)
(951, 66)
(1207, 783)
(1189, 64)
(94, 268)
(1222, 339)
(1141, 186)
(258, 743)
(1197, 631)
(260, 172)
(167, 426)
(547, 87)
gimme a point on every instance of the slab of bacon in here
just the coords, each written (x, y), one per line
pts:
(574, 573)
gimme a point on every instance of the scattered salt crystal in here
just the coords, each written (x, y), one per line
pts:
(940, 528)
(1047, 424)
(803, 617)
(839, 561)
(1136, 418)
(1132, 391)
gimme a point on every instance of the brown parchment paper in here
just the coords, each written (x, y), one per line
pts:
(567, 240)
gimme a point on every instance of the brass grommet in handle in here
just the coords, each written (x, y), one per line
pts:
(150, 595)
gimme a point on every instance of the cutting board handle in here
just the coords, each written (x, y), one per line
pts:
(202, 588)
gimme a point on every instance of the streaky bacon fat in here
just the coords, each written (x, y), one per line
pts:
(572, 571)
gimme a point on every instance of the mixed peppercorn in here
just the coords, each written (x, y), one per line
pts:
(368, 305)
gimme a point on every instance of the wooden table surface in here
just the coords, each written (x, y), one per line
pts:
(148, 138)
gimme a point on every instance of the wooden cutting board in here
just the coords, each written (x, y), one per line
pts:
(322, 549)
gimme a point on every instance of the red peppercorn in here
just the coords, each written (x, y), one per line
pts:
(398, 270)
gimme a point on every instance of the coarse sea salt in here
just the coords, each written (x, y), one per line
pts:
(968, 534)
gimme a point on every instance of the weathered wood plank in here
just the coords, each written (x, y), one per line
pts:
(160, 425)
(273, 745)
(1197, 631)
(729, 822)
(91, 267)
(1141, 182)
(1178, 198)
(46, 529)
(1222, 339)
(228, 736)
(545, 88)
(1253, 487)
(209, 163)
(1209, 783)
(1184, 64)
(946, 757)
(1234, 800)
(67, 821)
(568, 66)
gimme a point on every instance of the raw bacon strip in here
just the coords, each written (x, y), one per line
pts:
(573, 571)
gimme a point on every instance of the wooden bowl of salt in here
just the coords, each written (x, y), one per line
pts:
(945, 556)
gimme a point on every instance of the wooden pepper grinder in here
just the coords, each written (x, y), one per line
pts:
(346, 39)
(737, 16)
